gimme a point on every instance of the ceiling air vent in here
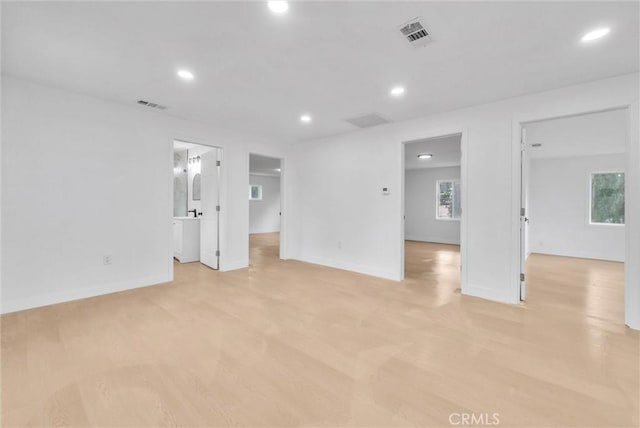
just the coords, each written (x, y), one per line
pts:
(415, 32)
(368, 120)
(151, 105)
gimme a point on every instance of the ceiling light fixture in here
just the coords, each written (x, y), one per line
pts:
(278, 169)
(595, 34)
(185, 75)
(305, 118)
(425, 156)
(278, 7)
(397, 91)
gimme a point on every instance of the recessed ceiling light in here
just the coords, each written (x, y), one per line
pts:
(425, 156)
(185, 75)
(396, 91)
(278, 7)
(305, 118)
(595, 34)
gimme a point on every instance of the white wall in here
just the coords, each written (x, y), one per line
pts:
(592, 134)
(336, 185)
(632, 205)
(83, 177)
(264, 215)
(559, 209)
(420, 206)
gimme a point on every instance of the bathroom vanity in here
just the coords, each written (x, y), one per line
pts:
(186, 239)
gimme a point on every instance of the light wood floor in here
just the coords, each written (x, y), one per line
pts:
(285, 343)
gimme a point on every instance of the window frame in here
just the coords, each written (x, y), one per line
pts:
(259, 187)
(453, 182)
(590, 221)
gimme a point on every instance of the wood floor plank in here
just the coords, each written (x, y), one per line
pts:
(286, 343)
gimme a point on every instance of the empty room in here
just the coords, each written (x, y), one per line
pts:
(311, 213)
(433, 211)
(265, 208)
(574, 213)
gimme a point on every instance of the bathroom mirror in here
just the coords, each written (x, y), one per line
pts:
(196, 187)
(180, 183)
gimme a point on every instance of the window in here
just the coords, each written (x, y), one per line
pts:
(255, 192)
(607, 198)
(448, 200)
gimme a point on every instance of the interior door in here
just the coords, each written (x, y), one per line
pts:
(525, 163)
(281, 235)
(210, 206)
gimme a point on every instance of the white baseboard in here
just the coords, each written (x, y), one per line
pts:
(434, 239)
(364, 269)
(62, 296)
(580, 255)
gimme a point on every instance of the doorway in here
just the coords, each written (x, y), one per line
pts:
(196, 205)
(433, 211)
(265, 209)
(572, 226)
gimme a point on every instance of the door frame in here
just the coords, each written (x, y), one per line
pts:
(283, 204)
(464, 186)
(169, 169)
(518, 124)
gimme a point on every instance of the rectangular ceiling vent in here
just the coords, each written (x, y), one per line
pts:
(415, 32)
(151, 105)
(367, 120)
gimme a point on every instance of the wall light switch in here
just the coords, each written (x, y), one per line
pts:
(385, 191)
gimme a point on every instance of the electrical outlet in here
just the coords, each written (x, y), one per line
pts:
(106, 259)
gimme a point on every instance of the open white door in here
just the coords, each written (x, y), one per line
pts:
(210, 192)
(281, 251)
(525, 162)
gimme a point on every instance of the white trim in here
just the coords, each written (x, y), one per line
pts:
(264, 174)
(433, 240)
(632, 230)
(57, 297)
(403, 215)
(465, 186)
(577, 255)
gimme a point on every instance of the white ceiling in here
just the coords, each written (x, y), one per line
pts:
(263, 165)
(257, 72)
(585, 135)
(446, 151)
